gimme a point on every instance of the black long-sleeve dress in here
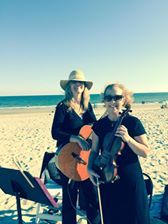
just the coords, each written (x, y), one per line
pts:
(67, 122)
(124, 201)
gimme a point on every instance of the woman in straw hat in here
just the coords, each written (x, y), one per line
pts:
(71, 114)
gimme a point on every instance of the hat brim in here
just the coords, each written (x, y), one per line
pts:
(63, 83)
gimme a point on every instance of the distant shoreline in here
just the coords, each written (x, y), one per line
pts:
(51, 109)
(98, 93)
(8, 102)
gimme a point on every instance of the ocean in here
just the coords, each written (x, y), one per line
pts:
(52, 100)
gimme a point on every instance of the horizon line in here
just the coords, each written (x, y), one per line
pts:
(63, 94)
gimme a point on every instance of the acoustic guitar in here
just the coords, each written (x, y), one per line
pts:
(72, 160)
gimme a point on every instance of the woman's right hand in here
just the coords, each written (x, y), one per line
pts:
(81, 142)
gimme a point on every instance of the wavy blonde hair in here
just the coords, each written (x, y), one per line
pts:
(128, 95)
(84, 99)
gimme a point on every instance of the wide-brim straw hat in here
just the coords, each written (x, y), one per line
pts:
(76, 75)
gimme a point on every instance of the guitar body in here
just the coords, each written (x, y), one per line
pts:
(72, 160)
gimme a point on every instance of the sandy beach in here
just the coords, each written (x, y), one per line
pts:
(26, 134)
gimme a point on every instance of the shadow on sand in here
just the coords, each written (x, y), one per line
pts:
(11, 217)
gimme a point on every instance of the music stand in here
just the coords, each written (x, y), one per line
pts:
(25, 186)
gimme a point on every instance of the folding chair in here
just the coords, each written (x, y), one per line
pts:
(149, 187)
(50, 177)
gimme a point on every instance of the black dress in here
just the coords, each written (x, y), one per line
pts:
(124, 201)
(67, 122)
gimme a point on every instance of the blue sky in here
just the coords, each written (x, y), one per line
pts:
(42, 41)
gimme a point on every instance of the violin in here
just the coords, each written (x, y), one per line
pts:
(106, 166)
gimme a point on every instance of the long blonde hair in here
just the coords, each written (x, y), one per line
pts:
(84, 98)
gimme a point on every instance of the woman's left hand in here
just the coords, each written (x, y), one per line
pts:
(122, 132)
(81, 142)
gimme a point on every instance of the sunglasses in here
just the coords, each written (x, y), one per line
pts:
(109, 98)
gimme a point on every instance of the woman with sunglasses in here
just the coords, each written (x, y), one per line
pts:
(124, 200)
(71, 114)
